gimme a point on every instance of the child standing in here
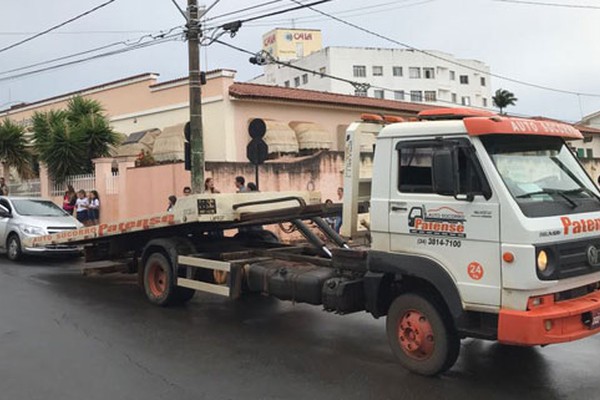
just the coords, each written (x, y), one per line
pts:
(94, 208)
(81, 206)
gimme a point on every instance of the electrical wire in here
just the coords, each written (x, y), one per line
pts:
(350, 13)
(56, 26)
(272, 14)
(130, 42)
(23, 33)
(155, 42)
(266, 3)
(502, 77)
(580, 6)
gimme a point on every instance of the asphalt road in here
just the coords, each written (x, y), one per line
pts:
(66, 336)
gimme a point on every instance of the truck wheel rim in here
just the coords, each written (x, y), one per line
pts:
(415, 335)
(157, 280)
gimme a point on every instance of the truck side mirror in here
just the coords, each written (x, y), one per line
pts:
(445, 172)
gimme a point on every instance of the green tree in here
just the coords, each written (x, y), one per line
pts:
(68, 140)
(503, 98)
(13, 149)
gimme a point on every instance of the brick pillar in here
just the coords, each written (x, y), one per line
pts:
(124, 164)
(103, 169)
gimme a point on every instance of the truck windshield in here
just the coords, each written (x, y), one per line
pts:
(542, 174)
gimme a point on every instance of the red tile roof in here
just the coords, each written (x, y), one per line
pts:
(256, 91)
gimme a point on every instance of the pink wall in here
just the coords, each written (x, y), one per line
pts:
(148, 188)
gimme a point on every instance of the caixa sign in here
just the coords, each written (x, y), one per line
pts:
(298, 36)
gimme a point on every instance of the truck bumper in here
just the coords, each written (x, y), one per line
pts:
(560, 322)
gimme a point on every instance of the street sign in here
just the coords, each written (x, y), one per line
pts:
(257, 151)
(257, 128)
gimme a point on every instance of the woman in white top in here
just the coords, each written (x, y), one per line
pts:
(81, 206)
(94, 208)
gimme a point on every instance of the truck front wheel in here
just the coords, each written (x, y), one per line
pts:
(421, 335)
(160, 283)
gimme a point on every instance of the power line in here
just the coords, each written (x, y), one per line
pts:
(286, 10)
(581, 6)
(23, 33)
(179, 9)
(378, 35)
(156, 41)
(56, 26)
(352, 13)
(244, 9)
(131, 42)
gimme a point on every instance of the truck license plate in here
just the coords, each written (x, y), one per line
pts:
(592, 319)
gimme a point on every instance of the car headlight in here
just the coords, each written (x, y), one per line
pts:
(31, 230)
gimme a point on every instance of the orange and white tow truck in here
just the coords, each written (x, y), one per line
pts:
(481, 226)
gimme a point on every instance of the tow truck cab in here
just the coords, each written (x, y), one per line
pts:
(494, 215)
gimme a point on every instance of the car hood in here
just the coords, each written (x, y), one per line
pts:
(57, 222)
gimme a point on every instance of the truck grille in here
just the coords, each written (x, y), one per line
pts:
(571, 258)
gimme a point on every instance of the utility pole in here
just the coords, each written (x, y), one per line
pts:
(196, 134)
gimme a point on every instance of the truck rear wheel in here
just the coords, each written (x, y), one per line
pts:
(421, 335)
(160, 283)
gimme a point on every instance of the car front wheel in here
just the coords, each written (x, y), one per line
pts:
(13, 248)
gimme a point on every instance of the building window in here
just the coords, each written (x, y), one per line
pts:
(304, 79)
(430, 95)
(286, 83)
(452, 75)
(399, 95)
(454, 97)
(589, 153)
(416, 95)
(297, 81)
(428, 73)
(482, 80)
(359, 71)
(378, 94)
(414, 73)
(360, 93)
(377, 70)
(580, 153)
(484, 102)
(397, 71)
(322, 71)
(465, 101)
(464, 79)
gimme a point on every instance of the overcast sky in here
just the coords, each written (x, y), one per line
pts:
(549, 46)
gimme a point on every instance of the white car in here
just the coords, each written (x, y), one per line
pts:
(22, 217)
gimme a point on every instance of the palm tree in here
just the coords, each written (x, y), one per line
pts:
(13, 149)
(68, 140)
(503, 98)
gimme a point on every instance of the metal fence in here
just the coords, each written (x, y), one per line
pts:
(86, 182)
(26, 188)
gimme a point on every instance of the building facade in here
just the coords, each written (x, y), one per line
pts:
(395, 74)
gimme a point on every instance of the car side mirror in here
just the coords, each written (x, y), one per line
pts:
(445, 172)
(4, 213)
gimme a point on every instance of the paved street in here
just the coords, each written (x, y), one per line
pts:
(65, 336)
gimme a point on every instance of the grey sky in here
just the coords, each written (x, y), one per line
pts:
(549, 46)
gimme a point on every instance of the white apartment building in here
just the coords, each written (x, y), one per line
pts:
(394, 74)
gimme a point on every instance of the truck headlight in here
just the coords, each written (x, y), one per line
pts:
(542, 261)
(31, 230)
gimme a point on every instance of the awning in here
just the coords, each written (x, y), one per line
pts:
(311, 136)
(280, 137)
(169, 145)
(133, 144)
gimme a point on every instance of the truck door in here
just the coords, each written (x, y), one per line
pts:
(461, 234)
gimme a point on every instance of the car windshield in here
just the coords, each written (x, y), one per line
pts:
(37, 208)
(542, 174)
